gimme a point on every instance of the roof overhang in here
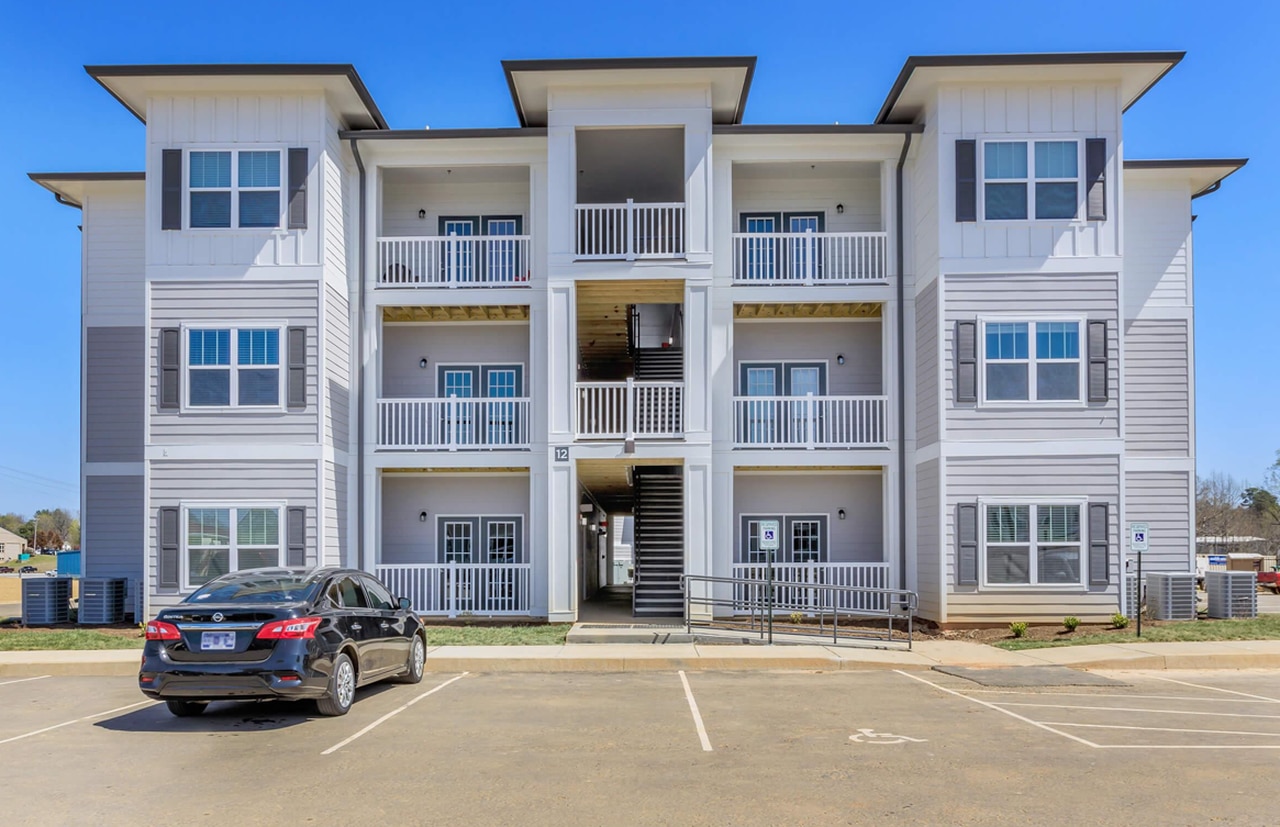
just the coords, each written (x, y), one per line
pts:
(1204, 175)
(1136, 72)
(132, 85)
(69, 187)
(728, 77)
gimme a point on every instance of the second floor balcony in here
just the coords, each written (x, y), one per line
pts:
(629, 231)
(809, 257)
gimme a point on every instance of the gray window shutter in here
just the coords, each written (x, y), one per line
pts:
(966, 180)
(296, 537)
(297, 390)
(171, 189)
(1099, 545)
(967, 544)
(1097, 361)
(167, 565)
(170, 395)
(298, 188)
(966, 361)
(1095, 167)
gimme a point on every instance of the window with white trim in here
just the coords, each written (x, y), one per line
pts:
(806, 541)
(244, 184)
(1030, 178)
(233, 367)
(226, 539)
(1033, 544)
(500, 537)
(1031, 361)
(458, 541)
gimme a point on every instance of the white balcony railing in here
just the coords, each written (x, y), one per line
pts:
(630, 410)
(454, 261)
(810, 421)
(453, 424)
(809, 258)
(451, 589)
(793, 586)
(629, 231)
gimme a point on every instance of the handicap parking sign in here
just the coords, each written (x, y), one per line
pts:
(768, 535)
(1139, 536)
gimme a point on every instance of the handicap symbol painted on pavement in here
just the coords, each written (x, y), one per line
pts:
(870, 736)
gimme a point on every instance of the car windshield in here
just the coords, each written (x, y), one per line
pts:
(275, 588)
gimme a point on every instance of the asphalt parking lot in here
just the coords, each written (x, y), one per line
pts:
(657, 748)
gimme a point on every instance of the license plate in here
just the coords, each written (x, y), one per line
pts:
(217, 641)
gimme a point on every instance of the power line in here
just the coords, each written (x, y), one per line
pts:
(18, 474)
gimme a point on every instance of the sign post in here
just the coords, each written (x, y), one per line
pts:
(769, 531)
(1139, 541)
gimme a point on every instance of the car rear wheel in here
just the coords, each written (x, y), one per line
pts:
(417, 662)
(342, 688)
(186, 709)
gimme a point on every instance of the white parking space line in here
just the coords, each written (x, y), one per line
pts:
(697, 718)
(988, 705)
(1137, 709)
(390, 715)
(24, 680)
(1217, 689)
(1097, 695)
(78, 720)
(1168, 729)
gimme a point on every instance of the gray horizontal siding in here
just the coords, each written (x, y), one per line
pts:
(407, 539)
(859, 538)
(1088, 296)
(335, 514)
(928, 540)
(337, 377)
(179, 483)
(113, 539)
(1162, 499)
(114, 393)
(1157, 385)
(1096, 478)
(238, 304)
(817, 341)
(927, 365)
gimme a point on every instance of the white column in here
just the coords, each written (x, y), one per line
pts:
(698, 349)
(722, 517)
(698, 531)
(698, 187)
(562, 186)
(562, 540)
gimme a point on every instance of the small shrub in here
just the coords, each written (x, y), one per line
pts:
(1070, 622)
(797, 617)
(1119, 620)
(1018, 628)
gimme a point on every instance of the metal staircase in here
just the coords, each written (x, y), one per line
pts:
(659, 364)
(659, 542)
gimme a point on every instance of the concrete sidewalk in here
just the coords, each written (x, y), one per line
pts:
(634, 657)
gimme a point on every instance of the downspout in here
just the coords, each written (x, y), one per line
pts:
(360, 274)
(902, 370)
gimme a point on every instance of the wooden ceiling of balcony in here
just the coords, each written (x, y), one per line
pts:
(602, 318)
(458, 313)
(807, 310)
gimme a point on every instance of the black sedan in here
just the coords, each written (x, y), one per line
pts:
(280, 633)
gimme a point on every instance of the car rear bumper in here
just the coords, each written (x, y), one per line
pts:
(258, 686)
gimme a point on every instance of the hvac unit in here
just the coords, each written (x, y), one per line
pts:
(1131, 596)
(102, 600)
(1232, 593)
(1171, 596)
(46, 600)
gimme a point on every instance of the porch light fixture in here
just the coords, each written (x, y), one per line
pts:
(839, 359)
(422, 363)
(422, 215)
(839, 209)
(840, 513)
(422, 516)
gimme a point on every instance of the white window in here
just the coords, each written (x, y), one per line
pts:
(234, 188)
(233, 367)
(1021, 179)
(458, 539)
(1033, 544)
(806, 541)
(225, 539)
(1031, 361)
(500, 536)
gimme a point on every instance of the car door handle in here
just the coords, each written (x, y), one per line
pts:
(356, 626)
(384, 624)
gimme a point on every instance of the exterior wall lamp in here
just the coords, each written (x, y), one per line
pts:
(839, 359)
(422, 363)
(840, 513)
(422, 215)
(422, 516)
(839, 209)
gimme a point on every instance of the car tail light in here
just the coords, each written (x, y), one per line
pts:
(159, 630)
(300, 628)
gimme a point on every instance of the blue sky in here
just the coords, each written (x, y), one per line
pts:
(437, 64)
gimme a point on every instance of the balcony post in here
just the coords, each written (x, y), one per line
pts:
(451, 259)
(452, 588)
(809, 406)
(630, 408)
(809, 250)
(629, 240)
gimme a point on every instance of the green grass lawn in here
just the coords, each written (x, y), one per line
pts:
(548, 634)
(1265, 627)
(13, 640)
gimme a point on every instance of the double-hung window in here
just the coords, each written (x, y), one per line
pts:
(1033, 544)
(1031, 361)
(1023, 179)
(234, 188)
(226, 539)
(233, 367)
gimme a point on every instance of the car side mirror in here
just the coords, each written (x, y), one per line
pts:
(405, 603)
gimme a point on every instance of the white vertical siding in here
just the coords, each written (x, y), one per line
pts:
(114, 255)
(1162, 499)
(1157, 387)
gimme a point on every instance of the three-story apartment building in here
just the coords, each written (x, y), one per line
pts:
(949, 351)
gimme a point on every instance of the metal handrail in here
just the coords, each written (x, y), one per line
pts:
(899, 604)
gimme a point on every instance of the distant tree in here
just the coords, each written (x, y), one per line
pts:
(73, 538)
(16, 523)
(1218, 511)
